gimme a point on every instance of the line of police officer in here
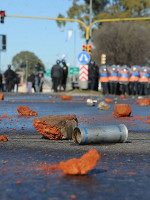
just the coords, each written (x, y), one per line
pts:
(124, 80)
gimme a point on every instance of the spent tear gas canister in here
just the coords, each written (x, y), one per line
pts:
(100, 134)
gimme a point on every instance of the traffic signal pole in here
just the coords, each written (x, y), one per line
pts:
(117, 20)
(87, 28)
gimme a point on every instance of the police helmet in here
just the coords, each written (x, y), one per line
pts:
(9, 66)
(57, 62)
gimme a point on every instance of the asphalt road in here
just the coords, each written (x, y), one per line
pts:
(122, 172)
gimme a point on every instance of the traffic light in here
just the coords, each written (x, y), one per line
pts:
(89, 48)
(84, 47)
(3, 42)
(103, 59)
(2, 14)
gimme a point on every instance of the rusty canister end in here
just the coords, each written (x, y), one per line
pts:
(77, 135)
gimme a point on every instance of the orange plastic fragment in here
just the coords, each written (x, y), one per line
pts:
(76, 166)
(66, 97)
(3, 138)
(26, 111)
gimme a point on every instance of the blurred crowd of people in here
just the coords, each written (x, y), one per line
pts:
(36, 82)
(114, 80)
(9, 81)
(59, 74)
(119, 80)
(123, 80)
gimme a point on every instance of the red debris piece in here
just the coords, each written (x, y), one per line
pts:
(148, 119)
(26, 111)
(56, 127)
(1, 96)
(108, 100)
(66, 97)
(122, 110)
(143, 102)
(76, 166)
(123, 97)
(4, 115)
(3, 138)
(83, 98)
(19, 182)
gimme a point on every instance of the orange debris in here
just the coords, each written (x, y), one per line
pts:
(108, 100)
(26, 111)
(3, 138)
(76, 166)
(73, 196)
(56, 127)
(143, 102)
(148, 119)
(66, 97)
(1, 96)
(18, 182)
(123, 97)
(122, 110)
(4, 115)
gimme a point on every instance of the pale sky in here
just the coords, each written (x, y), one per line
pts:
(41, 37)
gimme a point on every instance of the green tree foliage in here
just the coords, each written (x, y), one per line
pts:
(106, 9)
(27, 59)
(125, 9)
(81, 11)
(123, 43)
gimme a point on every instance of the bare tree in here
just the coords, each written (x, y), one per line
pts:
(123, 43)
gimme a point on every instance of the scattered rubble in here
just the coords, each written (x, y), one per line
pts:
(108, 100)
(123, 97)
(3, 138)
(1, 96)
(4, 115)
(143, 102)
(122, 110)
(148, 119)
(56, 127)
(26, 111)
(76, 166)
(66, 97)
(103, 106)
(91, 102)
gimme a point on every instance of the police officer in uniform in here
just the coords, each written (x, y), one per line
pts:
(113, 79)
(133, 80)
(94, 76)
(104, 79)
(65, 74)
(144, 81)
(56, 74)
(124, 80)
(10, 76)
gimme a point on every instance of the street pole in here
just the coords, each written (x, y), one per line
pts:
(90, 22)
(0, 61)
(74, 48)
(26, 70)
